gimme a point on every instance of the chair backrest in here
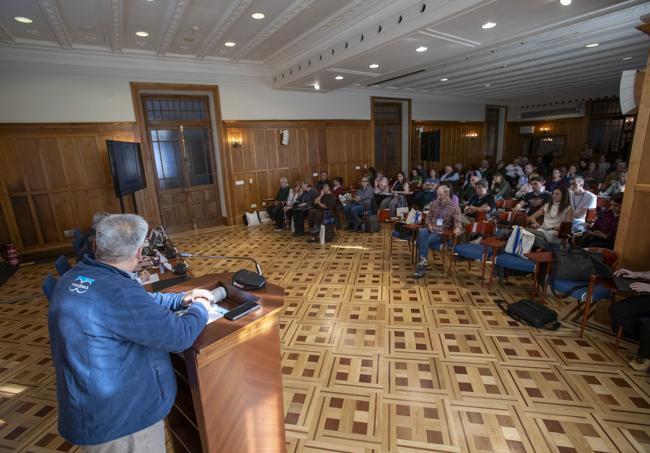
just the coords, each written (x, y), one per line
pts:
(610, 257)
(485, 229)
(565, 230)
(602, 202)
(510, 203)
(481, 216)
(591, 215)
(62, 265)
(48, 285)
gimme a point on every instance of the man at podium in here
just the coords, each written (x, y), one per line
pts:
(110, 343)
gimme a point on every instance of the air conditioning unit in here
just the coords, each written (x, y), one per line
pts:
(523, 130)
(553, 113)
(630, 91)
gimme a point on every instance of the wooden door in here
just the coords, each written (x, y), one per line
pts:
(187, 193)
(388, 137)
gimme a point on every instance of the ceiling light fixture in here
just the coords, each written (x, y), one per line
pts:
(258, 16)
(142, 34)
(229, 44)
(444, 79)
(373, 66)
(316, 86)
(627, 58)
(421, 49)
(488, 84)
(565, 2)
(488, 25)
(593, 44)
(23, 20)
(339, 77)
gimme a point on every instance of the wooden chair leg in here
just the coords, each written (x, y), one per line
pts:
(619, 334)
(494, 267)
(483, 260)
(590, 293)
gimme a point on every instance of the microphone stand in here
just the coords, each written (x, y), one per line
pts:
(222, 257)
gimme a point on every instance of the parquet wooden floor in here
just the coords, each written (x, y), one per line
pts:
(375, 361)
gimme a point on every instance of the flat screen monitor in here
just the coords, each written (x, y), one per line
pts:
(126, 167)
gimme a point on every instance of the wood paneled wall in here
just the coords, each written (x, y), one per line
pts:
(55, 177)
(575, 130)
(632, 239)
(456, 144)
(252, 170)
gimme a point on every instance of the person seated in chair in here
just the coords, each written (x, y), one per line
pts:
(282, 214)
(400, 185)
(555, 212)
(482, 201)
(361, 202)
(468, 190)
(302, 206)
(534, 199)
(449, 175)
(555, 181)
(325, 201)
(443, 215)
(275, 210)
(337, 186)
(324, 179)
(603, 232)
(633, 315)
(500, 187)
(581, 202)
(426, 195)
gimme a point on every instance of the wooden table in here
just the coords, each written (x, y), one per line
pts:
(542, 260)
(230, 395)
(495, 244)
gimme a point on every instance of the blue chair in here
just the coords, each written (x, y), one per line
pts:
(62, 265)
(48, 286)
(472, 251)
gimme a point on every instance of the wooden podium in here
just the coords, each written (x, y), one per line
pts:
(229, 396)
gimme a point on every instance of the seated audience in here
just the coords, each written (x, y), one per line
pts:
(616, 174)
(382, 190)
(500, 187)
(633, 315)
(582, 167)
(586, 152)
(416, 177)
(433, 179)
(535, 199)
(571, 173)
(276, 210)
(555, 212)
(581, 201)
(616, 186)
(443, 215)
(110, 342)
(482, 201)
(337, 186)
(325, 201)
(603, 166)
(592, 175)
(514, 172)
(324, 179)
(555, 181)
(467, 192)
(281, 215)
(88, 246)
(485, 172)
(302, 206)
(540, 167)
(361, 202)
(426, 195)
(449, 175)
(603, 232)
(391, 202)
(523, 179)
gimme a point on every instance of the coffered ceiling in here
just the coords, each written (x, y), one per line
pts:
(537, 48)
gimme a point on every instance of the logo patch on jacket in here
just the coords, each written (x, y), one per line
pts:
(81, 284)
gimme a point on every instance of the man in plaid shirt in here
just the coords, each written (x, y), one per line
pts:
(443, 215)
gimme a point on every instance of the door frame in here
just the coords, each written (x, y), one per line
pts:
(220, 143)
(407, 118)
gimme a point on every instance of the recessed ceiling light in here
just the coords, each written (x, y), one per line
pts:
(258, 16)
(565, 2)
(195, 27)
(488, 84)
(627, 58)
(316, 86)
(444, 79)
(373, 66)
(23, 20)
(339, 77)
(593, 44)
(421, 49)
(142, 34)
(229, 44)
(488, 25)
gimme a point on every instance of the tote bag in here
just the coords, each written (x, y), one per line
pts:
(520, 241)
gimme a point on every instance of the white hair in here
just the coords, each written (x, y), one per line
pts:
(98, 217)
(119, 236)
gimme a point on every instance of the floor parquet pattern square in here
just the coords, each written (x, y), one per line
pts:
(376, 361)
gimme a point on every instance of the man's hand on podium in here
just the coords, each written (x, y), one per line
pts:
(201, 296)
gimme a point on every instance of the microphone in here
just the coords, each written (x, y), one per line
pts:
(222, 257)
(243, 278)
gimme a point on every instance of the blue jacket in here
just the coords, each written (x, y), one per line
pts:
(110, 343)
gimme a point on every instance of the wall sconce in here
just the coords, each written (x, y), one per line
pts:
(544, 129)
(629, 119)
(235, 142)
(471, 135)
(547, 139)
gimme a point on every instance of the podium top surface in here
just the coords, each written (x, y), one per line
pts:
(271, 300)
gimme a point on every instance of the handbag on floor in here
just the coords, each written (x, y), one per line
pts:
(532, 313)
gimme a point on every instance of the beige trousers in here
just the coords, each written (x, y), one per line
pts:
(148, 440)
